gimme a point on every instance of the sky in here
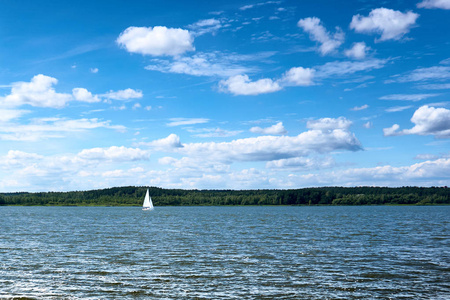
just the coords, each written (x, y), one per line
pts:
(224, 94)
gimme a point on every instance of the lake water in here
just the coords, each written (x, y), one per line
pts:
(379, 252)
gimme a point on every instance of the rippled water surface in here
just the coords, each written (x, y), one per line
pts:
(225, 252)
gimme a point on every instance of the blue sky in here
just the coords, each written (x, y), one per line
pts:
(224, 94)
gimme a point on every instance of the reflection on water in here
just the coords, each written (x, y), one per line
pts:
(225, 252)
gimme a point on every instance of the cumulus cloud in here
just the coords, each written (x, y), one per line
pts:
(39, 92)
(19, 158)
(428, 121)
(443, 4)
(358, 51)
(428, 173)
(298, 76)
(317, 32)
(391, 131)
(123, 94)
(170, 142)
(268, 148)
(242, 85)
(326, 135)
(329, 124)
(408, 97)
(274, 129)
(391, 24)
(82, 94)
(156, 41)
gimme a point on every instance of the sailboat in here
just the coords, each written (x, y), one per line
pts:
(148, 204)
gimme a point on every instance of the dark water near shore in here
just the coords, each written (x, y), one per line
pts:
(225, 252)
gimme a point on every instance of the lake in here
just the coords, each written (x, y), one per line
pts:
(364, 252)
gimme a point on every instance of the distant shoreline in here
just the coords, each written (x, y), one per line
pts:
(322, 196)
(238, 205)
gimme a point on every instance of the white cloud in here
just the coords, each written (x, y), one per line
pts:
(326, 135)
(249, 6)
(357, 108)
(367, 125)
(82, 94)
(245, 7)
(114, 153)
(298, 76)
(186, 121)
(398, 108)
(156, 41)
(19, 158)
(7, 115)
(46, 128)
(392, 24)
(274, 129)
(94, 70)
(205, 26)
(428, 173)
(424, 74)
(202, 64)
(434, 86)
(39, 92)
(123, 94)
(302, 163)
(170, 142)
(358, 51)
(267, 148)
(408, 97)
(242, 85)
(213, 132)
(443, 4)
(428, 121)
(318, 33)
(426, 156)
(342, 68)
(329, 124)
(391, 131)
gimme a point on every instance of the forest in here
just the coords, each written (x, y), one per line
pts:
(133, 196)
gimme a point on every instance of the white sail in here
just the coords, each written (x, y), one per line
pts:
(148, 204)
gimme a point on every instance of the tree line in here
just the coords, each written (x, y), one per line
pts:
(133, 196)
